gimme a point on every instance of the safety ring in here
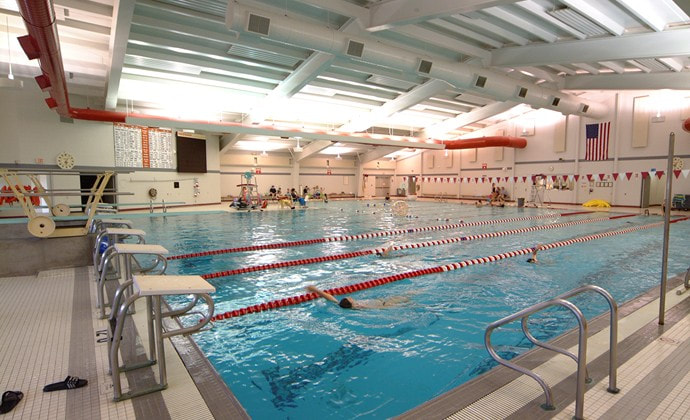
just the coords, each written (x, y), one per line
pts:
(400, 208)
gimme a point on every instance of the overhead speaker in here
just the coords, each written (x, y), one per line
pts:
(584, 108)
(424, 66)
(522, 92)
(480, 82)
(355, 49)
(555, 101)
(258, 24)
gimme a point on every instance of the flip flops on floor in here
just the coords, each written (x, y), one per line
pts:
(10, 399)
(70, 382)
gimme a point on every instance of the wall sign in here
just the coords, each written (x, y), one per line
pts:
(143, 147)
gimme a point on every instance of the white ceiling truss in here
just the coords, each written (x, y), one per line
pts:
(178, 59)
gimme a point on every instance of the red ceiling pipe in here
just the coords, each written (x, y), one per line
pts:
(493, 141)
(686, 125)
(39, 18)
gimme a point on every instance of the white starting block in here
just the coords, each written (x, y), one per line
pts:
(152, 288)
(125, 254)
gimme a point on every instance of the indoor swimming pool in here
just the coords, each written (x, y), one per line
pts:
(317, 360)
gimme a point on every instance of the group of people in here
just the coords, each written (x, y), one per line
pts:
(245, 200)
(497, 197)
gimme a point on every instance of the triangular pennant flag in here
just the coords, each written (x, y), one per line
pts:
(506, 179)
(491, 179)
(476, 180)
(685, 172)
(659, 174)
(524, 179)
(615, 176)
(645, 174)
(515, 179)
(676, 172)
(589, 177)
(565, 178)
(577, 177)
(571, 177)
(601, 177)
(628, 175)
(404, 179)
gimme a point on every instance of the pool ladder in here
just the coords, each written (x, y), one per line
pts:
(580, 359)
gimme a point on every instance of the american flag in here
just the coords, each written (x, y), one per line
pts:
(597, 146)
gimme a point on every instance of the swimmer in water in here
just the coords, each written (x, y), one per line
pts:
(533, 258)
(386, 252)
(350, 303)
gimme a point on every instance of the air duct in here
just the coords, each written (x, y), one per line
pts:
(43, 43)
(492, 141)
(463, 76)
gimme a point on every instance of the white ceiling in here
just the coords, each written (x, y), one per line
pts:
(176, 58)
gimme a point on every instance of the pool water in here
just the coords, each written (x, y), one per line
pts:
(316, 360)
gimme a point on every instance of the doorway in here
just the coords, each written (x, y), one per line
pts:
(86, 183)
(645, 192)
(383, 185)
(411, 186)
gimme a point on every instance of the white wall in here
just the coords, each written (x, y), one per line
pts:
(32, 135)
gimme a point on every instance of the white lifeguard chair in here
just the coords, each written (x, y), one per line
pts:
(539, 191)
(248, 179)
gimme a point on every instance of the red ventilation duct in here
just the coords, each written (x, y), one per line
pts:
(686, 125)
(493, 141)
(43, 43)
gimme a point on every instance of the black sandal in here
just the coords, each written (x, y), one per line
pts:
(10, 399)
(70, 382)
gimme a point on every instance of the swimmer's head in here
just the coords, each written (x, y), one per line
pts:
(345, 303)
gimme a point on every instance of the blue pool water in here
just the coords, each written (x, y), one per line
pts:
(316, 360)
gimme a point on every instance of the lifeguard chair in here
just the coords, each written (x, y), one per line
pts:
(248, 180)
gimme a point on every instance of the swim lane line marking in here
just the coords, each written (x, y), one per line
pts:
(294, 300)
(369, 235)
(373, 251)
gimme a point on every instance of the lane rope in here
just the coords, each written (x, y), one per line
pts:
(374, 251)
(294, 300)
(344, 238)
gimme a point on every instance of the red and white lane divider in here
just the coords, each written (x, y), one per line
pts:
(365, 235)
(362, 253)
(294, 300)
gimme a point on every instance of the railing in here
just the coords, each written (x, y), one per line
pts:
(686, 283)
(580, 359)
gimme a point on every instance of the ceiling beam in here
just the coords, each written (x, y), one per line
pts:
(646, 11)
(223, 128)
(468, 118)
(630, 81)
(227, 141)
(494, 29)
(402, 102)
(434, 38)
(312, 148)
(522, 23)
(123, 11)
(671, 43)
(341, 7)
(376, 153)
(386, 15)
(674, 64)
(466, 32)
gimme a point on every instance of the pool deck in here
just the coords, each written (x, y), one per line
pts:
(49, 325)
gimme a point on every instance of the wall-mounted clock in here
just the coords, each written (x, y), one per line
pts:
(677, 163)
(65, 161)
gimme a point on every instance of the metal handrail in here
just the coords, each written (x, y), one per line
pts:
(198, 326)
(686, 283)
(581, 359)
(613, 329)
